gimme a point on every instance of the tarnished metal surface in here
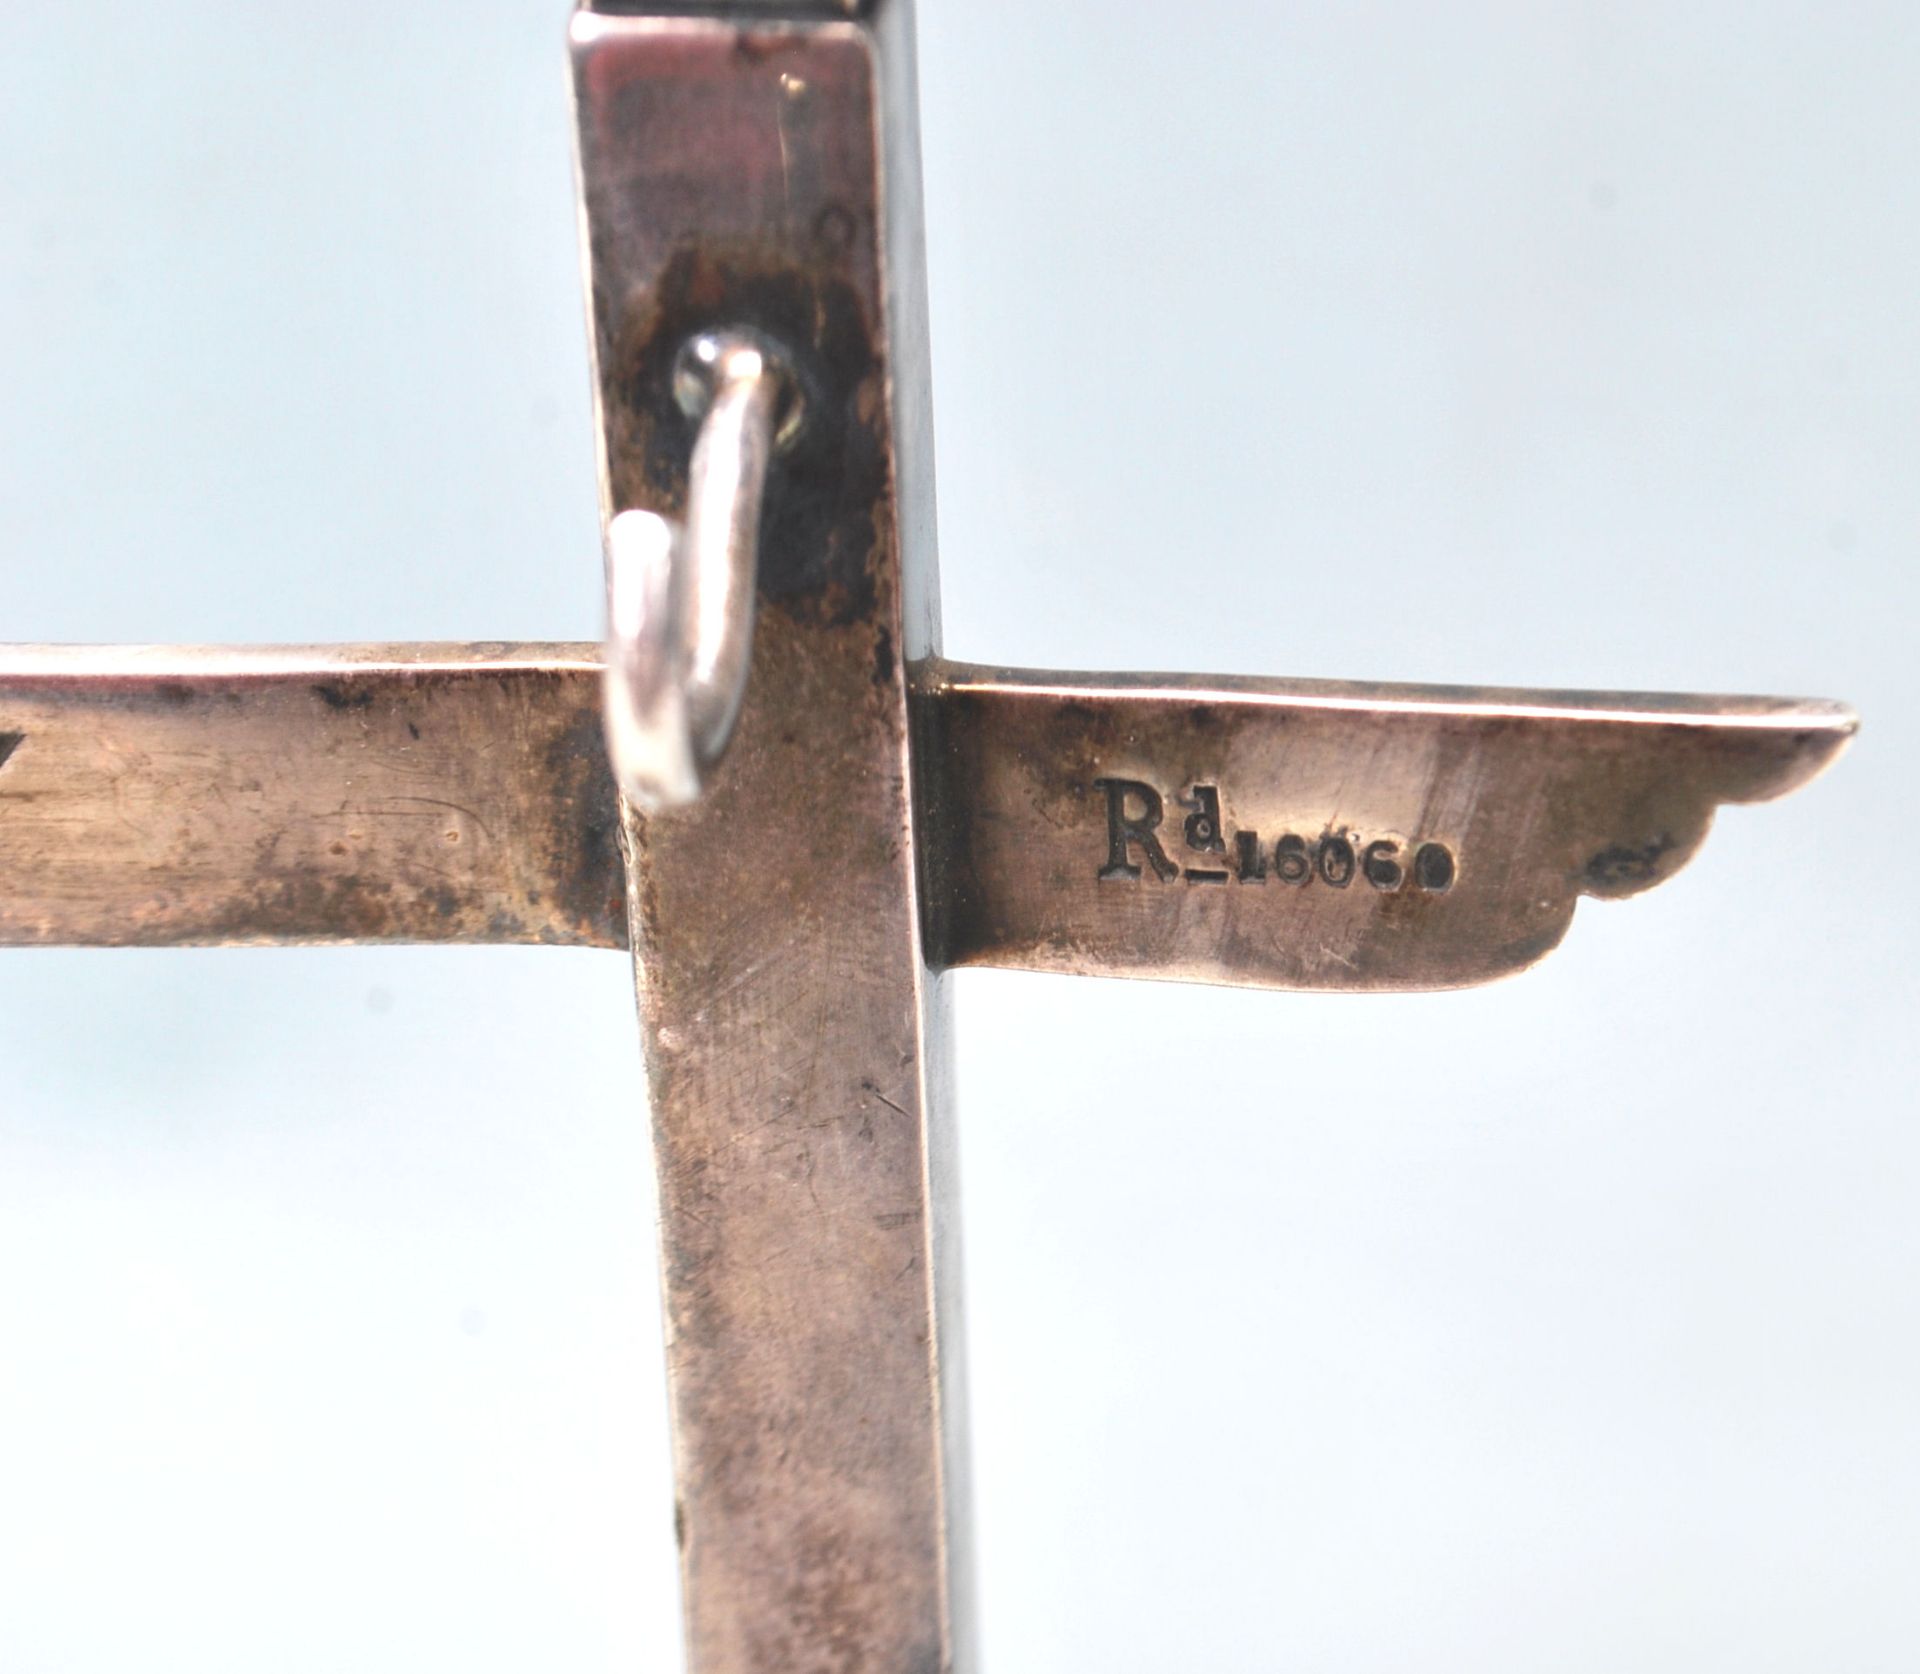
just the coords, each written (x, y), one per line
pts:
(880, 814)
(460, 793)
(793, 1029)
(381, 793)
(1308, 834)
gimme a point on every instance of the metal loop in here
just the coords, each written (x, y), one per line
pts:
(680, 596)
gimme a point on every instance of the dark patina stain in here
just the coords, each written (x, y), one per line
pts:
(354, 907)
(1625, 865)
(818, 534)
(587, 862)
(337, 695)
(9, 742)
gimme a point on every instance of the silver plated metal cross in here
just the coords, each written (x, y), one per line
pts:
(878, 816)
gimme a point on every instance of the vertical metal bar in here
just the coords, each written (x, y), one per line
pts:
(734, 175)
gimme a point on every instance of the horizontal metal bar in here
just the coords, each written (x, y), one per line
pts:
(384, 793)
(1312, 835)
(1290, 834)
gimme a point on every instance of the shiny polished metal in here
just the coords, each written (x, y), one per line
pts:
(880, 815)
(680, 595)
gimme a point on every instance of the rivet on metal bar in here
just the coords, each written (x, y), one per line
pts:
(680, 595)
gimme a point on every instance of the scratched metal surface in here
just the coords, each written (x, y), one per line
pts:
(1314, 834)
(156, 796)
(1262, 833)
(793, 1030)
(1715, 1104)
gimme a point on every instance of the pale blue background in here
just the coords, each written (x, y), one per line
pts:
(1570, 1324)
